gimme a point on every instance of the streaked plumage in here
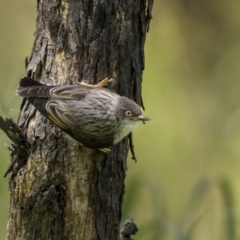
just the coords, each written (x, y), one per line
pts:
(93, 116)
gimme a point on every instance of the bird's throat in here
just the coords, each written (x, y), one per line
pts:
(124, 130)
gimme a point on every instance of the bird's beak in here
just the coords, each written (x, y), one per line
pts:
(142, 118)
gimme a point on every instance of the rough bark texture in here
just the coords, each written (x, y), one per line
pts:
(63, 190)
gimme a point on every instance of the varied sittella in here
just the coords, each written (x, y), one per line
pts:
(92, 115)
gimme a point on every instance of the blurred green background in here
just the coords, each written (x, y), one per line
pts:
(185, 184)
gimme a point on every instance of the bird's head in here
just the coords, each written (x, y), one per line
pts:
(129, 111)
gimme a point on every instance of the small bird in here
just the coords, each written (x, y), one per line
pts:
(91, 114)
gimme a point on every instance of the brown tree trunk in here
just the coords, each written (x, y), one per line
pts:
(63, 190)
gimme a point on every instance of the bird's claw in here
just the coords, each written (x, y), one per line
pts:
(102, 83)
(105, 150)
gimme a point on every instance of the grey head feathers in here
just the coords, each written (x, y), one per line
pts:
(127, 108)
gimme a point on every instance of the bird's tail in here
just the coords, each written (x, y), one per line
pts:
(30, 88)
(29, 82)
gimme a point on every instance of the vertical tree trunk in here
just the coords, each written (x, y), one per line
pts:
(63, 190)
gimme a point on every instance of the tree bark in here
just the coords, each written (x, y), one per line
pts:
(62, 190)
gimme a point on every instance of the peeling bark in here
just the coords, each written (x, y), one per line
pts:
(63, 190)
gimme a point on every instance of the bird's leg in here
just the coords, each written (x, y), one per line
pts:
(105, 150)
(102, 83)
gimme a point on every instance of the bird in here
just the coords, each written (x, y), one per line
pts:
(92, 115)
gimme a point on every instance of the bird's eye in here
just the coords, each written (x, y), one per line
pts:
(128, 113)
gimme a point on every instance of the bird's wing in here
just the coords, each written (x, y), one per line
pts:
(59, 119)
(75, 123)
(30, 88)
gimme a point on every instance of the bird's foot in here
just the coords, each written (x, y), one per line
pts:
(102, 83)
(105, 150)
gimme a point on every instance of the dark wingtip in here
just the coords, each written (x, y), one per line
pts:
(28, 82)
